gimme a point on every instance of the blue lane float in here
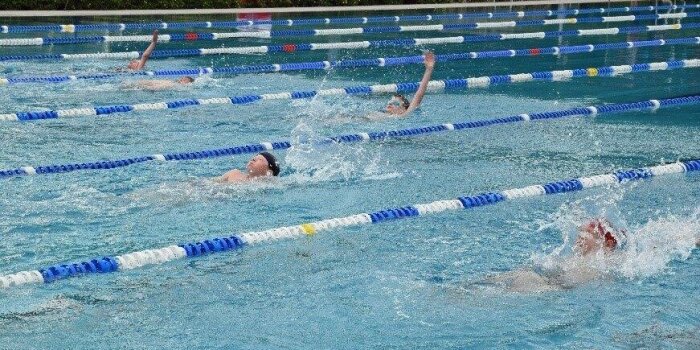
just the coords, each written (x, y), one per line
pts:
(109, 264)
(434, 85)
(356, 137)
(355, 63)
(198, 36)
(354, 45)
(74, 28)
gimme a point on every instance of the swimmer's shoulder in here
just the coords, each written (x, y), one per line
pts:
(234, 175)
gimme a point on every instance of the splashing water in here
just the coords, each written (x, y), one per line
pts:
(645, 250)
(307, 161)
(312, 157)
(658, 242)
(316, 161)
(331, 110)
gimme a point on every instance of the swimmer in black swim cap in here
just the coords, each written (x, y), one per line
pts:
(271, 163)
(262, 165)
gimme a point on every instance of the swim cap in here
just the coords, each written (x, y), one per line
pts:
(604, 230)
(271, 162)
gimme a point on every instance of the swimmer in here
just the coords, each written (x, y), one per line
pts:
(399, 105)
(141, 62)
(262, 165)
(597, 236)
(160, 84)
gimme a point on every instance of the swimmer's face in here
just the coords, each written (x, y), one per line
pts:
(258, 166)
(590, 240)
(587, 243)
(395, 106)
(133, 64)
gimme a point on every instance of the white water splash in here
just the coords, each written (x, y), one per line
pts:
(645, 250)
(324, 162)
(306, 162)
(655, 244)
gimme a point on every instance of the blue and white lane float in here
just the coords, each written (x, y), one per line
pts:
(73, 28)
(405, 87)
(650, 105)
(352, 45)
(105, 264)
(354, 63)
(194, 36)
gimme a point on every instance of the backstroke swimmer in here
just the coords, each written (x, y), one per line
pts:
(155, 84)
(398, 105)
(263, 165)
(261, 169)
(596, 238)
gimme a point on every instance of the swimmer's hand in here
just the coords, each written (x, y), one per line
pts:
(155, 36)
(429, 59)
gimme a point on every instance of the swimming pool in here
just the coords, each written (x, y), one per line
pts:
(407, 283)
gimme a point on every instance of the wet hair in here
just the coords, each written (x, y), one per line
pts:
(271, 163)
(404, 100)
(189, 79)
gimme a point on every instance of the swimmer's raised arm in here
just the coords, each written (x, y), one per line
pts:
(418, 98)
(139, 64)
(147, 54)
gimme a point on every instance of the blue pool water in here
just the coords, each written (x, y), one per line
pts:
(415, 283)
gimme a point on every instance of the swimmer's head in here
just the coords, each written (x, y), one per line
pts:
(397, 105)
(185, 80)
(263, 164)
(595, 235)
(133, 64)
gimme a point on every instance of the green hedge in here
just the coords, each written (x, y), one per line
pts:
(185, 4)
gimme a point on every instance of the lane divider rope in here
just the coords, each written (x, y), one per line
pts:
(406, 87)
(107, 264)
(354, 63)
(650, 105)
(200, 36)
(352, 45)
(73, 28)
